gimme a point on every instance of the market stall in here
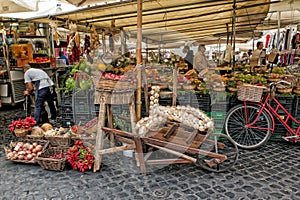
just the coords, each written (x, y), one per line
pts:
(159, 129)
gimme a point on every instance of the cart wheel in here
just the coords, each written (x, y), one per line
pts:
(220, 144)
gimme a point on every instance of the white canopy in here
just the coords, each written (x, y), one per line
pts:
(14, 6)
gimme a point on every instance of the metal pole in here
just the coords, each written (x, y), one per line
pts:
(227, 31)
(233, 33)
(123, 45)
(278, 31)
(139, 59)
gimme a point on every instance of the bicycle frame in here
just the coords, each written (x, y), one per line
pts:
(264, 105)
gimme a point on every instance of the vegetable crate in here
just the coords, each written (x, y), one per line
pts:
(53, 158)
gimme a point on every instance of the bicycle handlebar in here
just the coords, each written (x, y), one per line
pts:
(282, 82)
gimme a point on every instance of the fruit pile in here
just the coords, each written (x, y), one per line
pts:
(58, 156)
(41, 60)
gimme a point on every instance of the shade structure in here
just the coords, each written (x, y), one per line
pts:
(15, 6)
(86, 2)
(171, 21)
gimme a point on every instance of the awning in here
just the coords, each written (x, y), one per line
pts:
(85, 2)
(14, 6)
(171, 21)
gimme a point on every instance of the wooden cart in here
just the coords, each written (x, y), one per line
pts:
(211, 151)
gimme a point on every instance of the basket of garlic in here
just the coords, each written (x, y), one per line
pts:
(58, 137)
(186, 115)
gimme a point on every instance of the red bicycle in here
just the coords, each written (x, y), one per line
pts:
(251, 124)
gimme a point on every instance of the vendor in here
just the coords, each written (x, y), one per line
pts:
(188, 59)
(1, 68)
(39, 79)
(256, 56)
(63, 57)
(201, 64)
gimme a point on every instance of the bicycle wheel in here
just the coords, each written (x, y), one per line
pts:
(220, 144)
(243, 136)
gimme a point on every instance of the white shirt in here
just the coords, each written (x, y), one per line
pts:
(33, 74)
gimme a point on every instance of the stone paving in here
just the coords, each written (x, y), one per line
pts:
(271, 172)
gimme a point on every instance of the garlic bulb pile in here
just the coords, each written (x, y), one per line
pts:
(154, 98)
(186, 115)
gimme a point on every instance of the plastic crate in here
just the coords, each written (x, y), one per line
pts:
(217, 115)
(201, 101)
(82, 118)
(66, 123)
(219, 124)
(233, 101)
(220, 107)
(296, 106)
(165, 102)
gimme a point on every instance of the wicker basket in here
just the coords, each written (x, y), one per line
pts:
(284, 90)
(22, 132)
(55, 141)
(51, 163)
(112, 84)
(219, 89)
(40, 65)
(44, 143)
(189, 87)
(231, 89)
(296, 91)
(250, 92)
(274, 79)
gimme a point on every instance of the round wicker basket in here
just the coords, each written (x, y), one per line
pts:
(231, 89)
(296, 91)
(21, 132)
(284, 90)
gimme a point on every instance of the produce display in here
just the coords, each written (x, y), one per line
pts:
(26, 151)
(58, 156)
(80, 157)
(41, 60)
(186, 115)
(94, 38)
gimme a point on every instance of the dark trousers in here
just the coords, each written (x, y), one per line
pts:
(43, 95)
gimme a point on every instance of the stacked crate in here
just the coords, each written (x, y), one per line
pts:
(66, 110)
(219, 108)
(83, 106)
(201, 101)
(296, 111)
(233, 101)
(287, 101)
(183, 98)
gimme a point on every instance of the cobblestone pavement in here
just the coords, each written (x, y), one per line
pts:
(271, 172)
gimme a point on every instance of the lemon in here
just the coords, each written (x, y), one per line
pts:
(101, 67)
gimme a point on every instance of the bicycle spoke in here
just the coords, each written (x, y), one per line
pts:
(245, 136)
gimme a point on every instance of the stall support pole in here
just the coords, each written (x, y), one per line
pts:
(227, 31)
(278, 30)
(123, 44)
(233, 33)
(139, 60)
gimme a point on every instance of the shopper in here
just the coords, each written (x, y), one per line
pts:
(189, 58)
(62, 56)
(1, 68)
(201, 64)
(256, 56)
(38, 80)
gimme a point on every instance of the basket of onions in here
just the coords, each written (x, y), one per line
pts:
(26, 150)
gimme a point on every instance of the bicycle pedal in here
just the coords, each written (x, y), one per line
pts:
(212, 162)
(286, 138)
